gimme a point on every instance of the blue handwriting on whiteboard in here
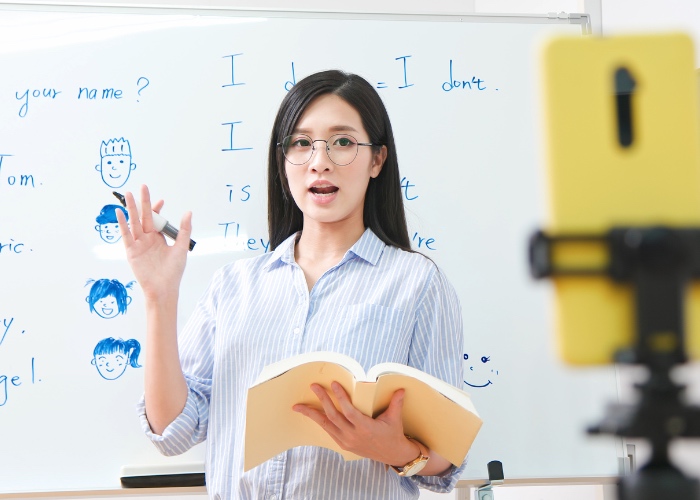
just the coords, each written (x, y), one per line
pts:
(107, 225)
(406, 185)
(93, 94)
(13, 247)
(115, 162)
(230, 139)
(249, 243)
(14, 381)
(405, 77)
(244, 190)
(233, 72)
(6, 326)
(473, 84)
(112, 356)
(36, 93)
(383, 85)
(481, 376)
(424, 242)
(291, 83)
(24, 180)
(108, 298)
(142, 83)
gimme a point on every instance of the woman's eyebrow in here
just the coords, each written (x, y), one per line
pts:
(334, 128)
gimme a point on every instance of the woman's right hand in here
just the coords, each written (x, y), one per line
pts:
(157, 266)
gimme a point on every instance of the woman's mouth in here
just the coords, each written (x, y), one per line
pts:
(323, 190)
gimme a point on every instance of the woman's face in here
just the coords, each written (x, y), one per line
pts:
(325, 192)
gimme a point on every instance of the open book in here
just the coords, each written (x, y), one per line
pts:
(434, 412)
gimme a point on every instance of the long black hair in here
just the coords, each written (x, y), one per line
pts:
(383, 209)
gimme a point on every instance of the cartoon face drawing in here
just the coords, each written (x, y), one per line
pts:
(109, 232)
(108, 298)
(479, 372)
(106, 307)
(115, 163)
(107, 225)
(112, 356)
(110, 366)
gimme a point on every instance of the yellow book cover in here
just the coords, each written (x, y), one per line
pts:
(606, 172)
(436, 413)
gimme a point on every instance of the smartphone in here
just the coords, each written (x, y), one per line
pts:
(622, 143)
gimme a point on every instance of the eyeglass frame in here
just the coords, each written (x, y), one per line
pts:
(313, 148)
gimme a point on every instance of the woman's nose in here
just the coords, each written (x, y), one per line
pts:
(320, 159)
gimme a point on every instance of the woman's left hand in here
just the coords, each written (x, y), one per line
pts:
(381, 438)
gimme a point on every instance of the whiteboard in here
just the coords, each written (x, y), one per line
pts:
(184, 102)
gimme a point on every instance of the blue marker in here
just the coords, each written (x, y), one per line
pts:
(159, 222)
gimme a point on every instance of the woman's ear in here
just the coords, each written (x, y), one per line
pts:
(378, 162)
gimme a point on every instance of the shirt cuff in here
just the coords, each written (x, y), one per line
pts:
(444, 482)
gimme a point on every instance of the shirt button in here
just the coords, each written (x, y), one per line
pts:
(297, 331)
(280, 457)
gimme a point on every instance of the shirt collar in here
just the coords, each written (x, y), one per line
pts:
(284, 253)
(368, 248)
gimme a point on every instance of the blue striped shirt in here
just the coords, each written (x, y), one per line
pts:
(378, 304)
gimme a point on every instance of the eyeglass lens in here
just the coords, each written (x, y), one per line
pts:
(341, 148)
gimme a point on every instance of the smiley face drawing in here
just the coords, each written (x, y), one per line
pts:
(112, 356)
(479, 373)
(107, 225)
(115, 162)
(108, 298)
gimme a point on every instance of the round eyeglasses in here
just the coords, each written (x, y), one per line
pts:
(341, 148)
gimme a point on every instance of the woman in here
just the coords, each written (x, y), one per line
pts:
(340, 276)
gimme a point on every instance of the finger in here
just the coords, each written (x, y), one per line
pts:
(134, 221)
(157, 206)
(329, 408)
(320, 418)
(352, 414)
(146, 210)
(393, 412)
(185, 231)
(124, 229)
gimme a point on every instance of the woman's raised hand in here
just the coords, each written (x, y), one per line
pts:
(158, 267)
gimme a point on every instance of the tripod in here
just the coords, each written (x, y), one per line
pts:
(658, 262)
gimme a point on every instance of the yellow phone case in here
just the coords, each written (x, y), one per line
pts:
(595, 182)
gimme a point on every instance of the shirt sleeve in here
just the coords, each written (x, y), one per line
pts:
(436, 349)
(196, 346)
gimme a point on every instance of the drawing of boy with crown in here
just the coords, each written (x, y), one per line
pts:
(115, 164)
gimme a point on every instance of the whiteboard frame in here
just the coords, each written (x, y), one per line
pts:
(585, 21)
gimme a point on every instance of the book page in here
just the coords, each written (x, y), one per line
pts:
(440, 423)
(273, 427)
(275, 369)
(448, 390)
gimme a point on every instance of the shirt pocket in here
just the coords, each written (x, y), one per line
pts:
(373, 333)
